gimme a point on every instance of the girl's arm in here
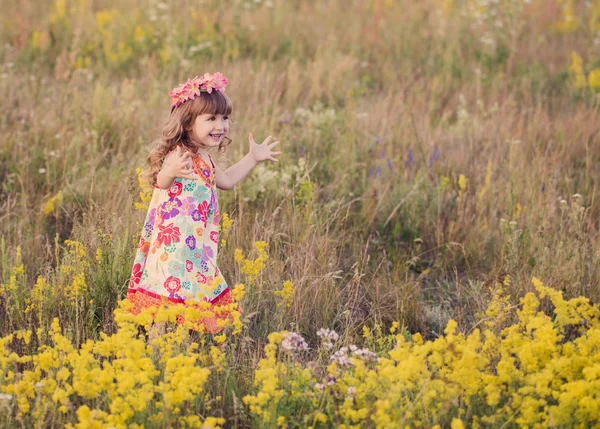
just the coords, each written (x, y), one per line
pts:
(176, 165)
(258, 152)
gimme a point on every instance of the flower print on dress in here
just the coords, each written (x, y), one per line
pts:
(176, 268)
(203, 209)
(148, 228)
(170, 208)
(175, 189)
(196, 216)
(207, 253)
(202, 192)
(187, 206)
(201, 278)
(149, 225)
(168, 234)
(136, 275)
(172, 284)
(214, 203)
(191, 242)
(144, 247)
(178, 256)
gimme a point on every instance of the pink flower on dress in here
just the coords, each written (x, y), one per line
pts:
(172, 284)
(201, 278)
(214, 236)
(168, 234)
(189, 266)
(136, 275)
(175, 189)
(203, 209)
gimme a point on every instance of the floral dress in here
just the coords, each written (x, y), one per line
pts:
(176, 259)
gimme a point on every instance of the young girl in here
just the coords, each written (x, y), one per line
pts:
(176, 260)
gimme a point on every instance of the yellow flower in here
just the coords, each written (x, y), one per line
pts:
(226, 223)
(239, 291)
(53, 203)
(576, 71)
(457, 424)
(286, 293)
(594, 79)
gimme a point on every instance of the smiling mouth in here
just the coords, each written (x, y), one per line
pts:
(216, 136)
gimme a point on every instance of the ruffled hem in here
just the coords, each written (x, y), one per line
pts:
(142, 299)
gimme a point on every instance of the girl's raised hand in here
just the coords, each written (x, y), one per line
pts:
(263, 151)
(178, 164)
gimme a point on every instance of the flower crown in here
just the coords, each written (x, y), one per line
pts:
(193, 87)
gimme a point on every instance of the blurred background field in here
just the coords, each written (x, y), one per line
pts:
(431, 151)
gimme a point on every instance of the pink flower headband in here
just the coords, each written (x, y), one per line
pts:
(193, 87)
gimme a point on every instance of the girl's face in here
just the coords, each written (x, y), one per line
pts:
(208, 130)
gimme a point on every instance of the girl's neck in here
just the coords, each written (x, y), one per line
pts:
(197, 149)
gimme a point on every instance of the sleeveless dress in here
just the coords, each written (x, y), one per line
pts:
(176, 259)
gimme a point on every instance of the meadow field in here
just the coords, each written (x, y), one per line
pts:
(425, 253)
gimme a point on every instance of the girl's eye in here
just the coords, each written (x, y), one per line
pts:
(226, 118)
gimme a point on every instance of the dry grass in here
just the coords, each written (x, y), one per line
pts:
(387, 234)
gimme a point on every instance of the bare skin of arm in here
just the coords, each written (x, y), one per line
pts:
(177, 164)
(258, 152)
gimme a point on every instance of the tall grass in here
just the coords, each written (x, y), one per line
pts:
(430, 149)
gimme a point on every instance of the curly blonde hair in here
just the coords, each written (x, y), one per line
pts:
(178, 125)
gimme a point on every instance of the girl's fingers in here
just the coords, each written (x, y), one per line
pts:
(274, 159)
(275, 153)
(272, 145)
(267, 140)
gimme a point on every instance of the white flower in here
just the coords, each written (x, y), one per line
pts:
(341, 357)
(365, 354)
(293, 342)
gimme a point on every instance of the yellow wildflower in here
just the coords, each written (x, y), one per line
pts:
(286, 293)
(594, 79)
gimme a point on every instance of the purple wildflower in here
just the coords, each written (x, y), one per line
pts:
(434, 156)
(390, 165)
(378, 140)
(410, 160)
(543, 188)
(284, 119)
